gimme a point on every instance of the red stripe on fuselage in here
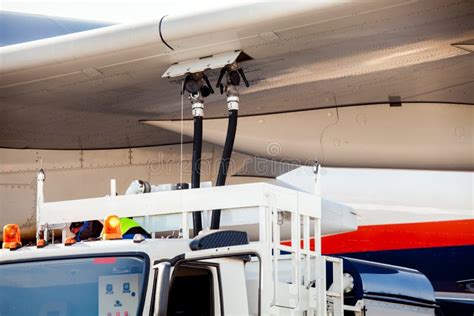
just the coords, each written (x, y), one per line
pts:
(401, 236)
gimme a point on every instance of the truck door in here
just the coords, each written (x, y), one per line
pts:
(211, 287)
(194, 289)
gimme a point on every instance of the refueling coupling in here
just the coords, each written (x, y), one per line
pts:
(233, 75)
(198, 87)
(197, 83)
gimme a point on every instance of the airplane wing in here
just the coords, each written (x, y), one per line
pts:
(90, 89)
(412, 136)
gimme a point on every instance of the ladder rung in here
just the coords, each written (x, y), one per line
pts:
(333, 294)
(333, 259)
(308, 252)
(352, 308)
(285, 248)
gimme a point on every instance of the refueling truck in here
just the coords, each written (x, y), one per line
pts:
(275, 268)
(250, 249)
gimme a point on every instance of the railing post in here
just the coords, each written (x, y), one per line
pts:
(40, 177)
(184, 225)
(320, 270)
(113, 187)
(276, 252)
(337, 283)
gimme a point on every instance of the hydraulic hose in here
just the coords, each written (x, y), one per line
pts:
(224, 163)
(196, 169)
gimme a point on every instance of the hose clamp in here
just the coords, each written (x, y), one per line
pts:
(233, 102)
(198, 109)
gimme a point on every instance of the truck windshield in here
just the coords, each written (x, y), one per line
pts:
(107, 286)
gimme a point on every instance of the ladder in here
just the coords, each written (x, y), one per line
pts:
(307, 286)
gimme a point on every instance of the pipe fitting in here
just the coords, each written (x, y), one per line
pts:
(233, 102)
(198, 109)
(197, 104)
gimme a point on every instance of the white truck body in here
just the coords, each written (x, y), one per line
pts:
(266, 276)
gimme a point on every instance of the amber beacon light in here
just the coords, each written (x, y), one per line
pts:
(112, 228)
(11, 237)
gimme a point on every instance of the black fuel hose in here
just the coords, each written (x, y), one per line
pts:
(224, 163)
(196, 169)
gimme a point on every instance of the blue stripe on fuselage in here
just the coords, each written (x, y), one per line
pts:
(18, 28)
(443, 266)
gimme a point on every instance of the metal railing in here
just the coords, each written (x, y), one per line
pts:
(305, 291)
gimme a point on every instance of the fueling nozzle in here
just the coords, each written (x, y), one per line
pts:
(197, 83)
(234, 74)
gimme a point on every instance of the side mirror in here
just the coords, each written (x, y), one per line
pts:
(162, 288)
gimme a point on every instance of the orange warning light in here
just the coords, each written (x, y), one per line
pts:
(11, 237)
(41, 243)
(69, 241)
(112, 228)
